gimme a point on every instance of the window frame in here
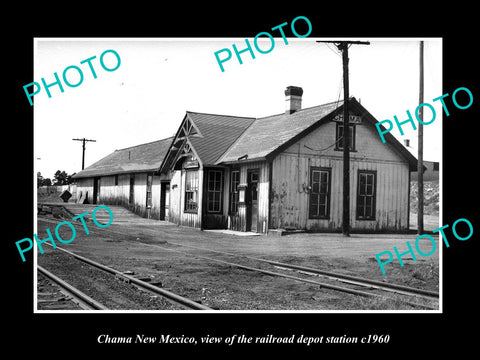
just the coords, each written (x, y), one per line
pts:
(352, 136)
(191, 207)
(373, 196)
(216, 192)
(326, 214)
(233, 192)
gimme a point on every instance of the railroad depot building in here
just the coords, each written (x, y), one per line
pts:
(261, 174)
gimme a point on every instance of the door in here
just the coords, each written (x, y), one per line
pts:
(252, 200)
(131, 196)
(164, 201)
(96, 190)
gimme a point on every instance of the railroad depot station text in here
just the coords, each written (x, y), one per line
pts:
(243, 339)
(57, 234)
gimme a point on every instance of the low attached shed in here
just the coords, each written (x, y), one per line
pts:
(129, 177)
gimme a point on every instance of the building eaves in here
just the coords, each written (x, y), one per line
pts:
(139, 158)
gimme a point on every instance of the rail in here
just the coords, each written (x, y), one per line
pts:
(84, 301)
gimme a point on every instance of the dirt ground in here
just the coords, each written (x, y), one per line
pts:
(144, 250)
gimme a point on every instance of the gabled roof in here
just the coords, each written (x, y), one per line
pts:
(270, 135)
(209, 134)
(223, 139)
(391, 140)
(139, 158)
(217, 133)
(266, 134)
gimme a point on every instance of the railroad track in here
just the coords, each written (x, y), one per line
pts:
(68, 294)
(356, 281)
(176, 299)
(369, 288)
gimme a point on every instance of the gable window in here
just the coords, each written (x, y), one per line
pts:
(214, 194)
(319, 198)
(234, 181)
(149, 190)
(367, 183)
(339, 137)
(191, 191)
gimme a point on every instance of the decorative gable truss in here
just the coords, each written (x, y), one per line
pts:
(181, 149)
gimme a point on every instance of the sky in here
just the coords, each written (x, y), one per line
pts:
(159, 79)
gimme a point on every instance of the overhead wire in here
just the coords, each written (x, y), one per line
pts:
(339, 90)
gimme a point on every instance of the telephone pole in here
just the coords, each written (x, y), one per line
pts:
(420, 149)
(343, 47)
(83, 149)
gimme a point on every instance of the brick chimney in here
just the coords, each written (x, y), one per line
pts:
(293, 99)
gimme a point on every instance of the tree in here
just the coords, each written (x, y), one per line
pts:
(41, 181)
(62, 178)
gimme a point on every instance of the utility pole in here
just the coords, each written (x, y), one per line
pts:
(83, 148)
(420, 149)
(343, 47)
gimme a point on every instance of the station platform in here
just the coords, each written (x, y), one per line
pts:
(121, 215)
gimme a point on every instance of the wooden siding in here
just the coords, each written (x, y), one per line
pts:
(291, 179)
(178, 215)
(238, 222)
(203, 220)
(111, 194)
(85, 185)
(175, 197)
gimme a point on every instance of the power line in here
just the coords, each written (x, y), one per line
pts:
(343, 47)
(83, 149)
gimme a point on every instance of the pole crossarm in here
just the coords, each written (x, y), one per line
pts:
(84, 140)
(344, 42)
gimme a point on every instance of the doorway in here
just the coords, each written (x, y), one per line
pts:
(164, 201)
(252, 200)
(131, 196)
(96, 190)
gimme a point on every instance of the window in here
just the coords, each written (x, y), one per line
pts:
(339, 137)
(252, 180)
(191, 191)
(366, 195)
(116, 180)
(234, 181)
(214, 195)
(149, 190)
(319, 204)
